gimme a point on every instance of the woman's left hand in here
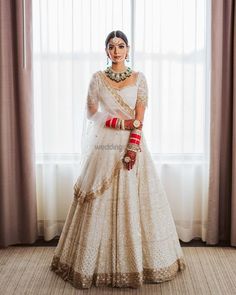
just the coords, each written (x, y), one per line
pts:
(132, 155)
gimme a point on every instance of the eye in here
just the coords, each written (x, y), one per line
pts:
(121, 46)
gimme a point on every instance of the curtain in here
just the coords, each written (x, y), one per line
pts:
(222, 188)
(170, 43)
(18, 207)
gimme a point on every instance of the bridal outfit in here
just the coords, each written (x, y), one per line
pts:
(119, 230)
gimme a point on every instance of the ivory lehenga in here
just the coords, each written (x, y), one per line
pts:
(119, 230)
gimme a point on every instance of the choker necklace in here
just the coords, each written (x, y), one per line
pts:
(118, 76)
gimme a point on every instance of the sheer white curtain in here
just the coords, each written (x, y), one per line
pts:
(170, 43)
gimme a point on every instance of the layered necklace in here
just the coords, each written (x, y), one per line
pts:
(118, 76)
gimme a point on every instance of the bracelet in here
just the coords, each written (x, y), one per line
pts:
(136, 131)
(115, 123)
(133, 147)
(134, 140)
(118, 124)
(111, 122)
(123, 124)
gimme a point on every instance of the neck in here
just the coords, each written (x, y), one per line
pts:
(118, 67)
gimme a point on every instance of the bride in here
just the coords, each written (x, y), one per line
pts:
(119, 230)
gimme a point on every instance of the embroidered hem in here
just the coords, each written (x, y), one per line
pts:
(133, 280)
(87, 196)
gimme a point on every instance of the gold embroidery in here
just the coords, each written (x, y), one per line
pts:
(143, 100)
(142, 96)
(118, 98)
(91, 101)
(133, 280)
(83, 196)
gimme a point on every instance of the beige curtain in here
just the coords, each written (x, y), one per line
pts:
(18, 211)
(222, 184)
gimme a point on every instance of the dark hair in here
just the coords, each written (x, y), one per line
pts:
(119, 34)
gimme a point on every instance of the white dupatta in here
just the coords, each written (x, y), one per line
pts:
(103, 148)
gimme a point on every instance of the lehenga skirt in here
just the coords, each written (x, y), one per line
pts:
(124, 237)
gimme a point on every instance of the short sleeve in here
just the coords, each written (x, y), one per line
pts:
(142, 94)
(92, 95)
(98, 117)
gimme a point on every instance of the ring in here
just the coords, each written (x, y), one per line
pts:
(127, 159)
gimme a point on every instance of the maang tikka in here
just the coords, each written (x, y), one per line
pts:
(115, 39)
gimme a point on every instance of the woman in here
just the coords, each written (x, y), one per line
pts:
(119, 230)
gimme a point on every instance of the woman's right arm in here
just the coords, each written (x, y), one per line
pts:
(93, 114)
(92, 97)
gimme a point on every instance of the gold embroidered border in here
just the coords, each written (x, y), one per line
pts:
(118, 97)
(83, 196)
(133, 280)
(143, 100)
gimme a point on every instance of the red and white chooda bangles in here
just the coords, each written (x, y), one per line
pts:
(115, 123)
(134, 140)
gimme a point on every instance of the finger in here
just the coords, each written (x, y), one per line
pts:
(130, 166)
(134, 162)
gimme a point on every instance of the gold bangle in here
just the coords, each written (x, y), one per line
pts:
(123, 124)
(136, 131)
(118, 124)
(133, 147)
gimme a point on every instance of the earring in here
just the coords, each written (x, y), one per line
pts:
(107, 60)
(127, 58)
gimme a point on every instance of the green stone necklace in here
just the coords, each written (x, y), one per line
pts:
(118, 76)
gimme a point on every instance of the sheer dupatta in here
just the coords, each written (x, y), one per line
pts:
(103, 148)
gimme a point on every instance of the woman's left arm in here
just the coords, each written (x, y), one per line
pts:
(135, 137)
(135, 134)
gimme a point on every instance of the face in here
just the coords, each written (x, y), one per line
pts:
(117, 51)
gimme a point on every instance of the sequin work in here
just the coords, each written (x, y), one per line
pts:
(119, 230)
(132, 280)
